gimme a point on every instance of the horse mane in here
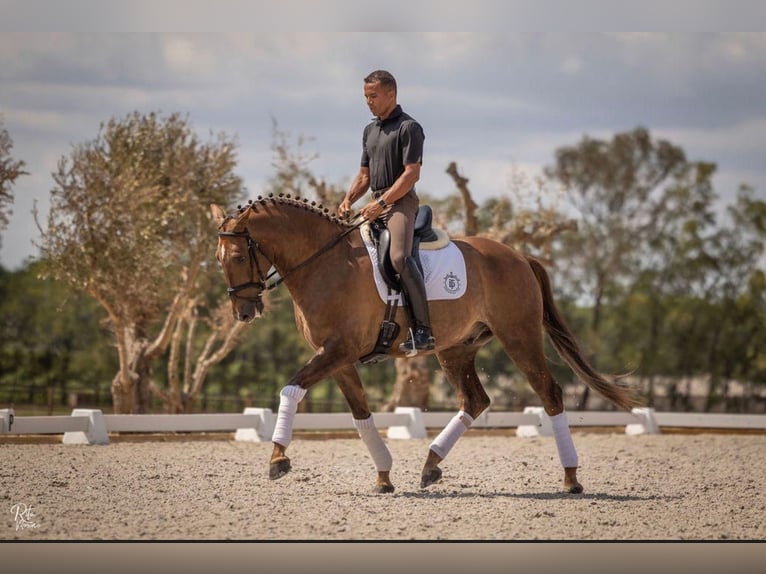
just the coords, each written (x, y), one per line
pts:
(297, 202)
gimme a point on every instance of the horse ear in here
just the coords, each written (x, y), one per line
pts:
(218, 214)
(241, 221)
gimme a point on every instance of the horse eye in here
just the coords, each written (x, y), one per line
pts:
(240, 259)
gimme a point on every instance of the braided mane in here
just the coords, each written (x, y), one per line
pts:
(297, 202)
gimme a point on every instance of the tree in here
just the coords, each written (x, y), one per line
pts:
(631, 192)
(129, 225)
(732, 257)
(10, 170)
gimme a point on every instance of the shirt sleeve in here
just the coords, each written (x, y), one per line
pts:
(365, 161)
(412, 138)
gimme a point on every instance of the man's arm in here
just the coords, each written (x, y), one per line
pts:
(403, 184)
(358, 188)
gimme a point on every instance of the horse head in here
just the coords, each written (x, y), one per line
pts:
(242, 262)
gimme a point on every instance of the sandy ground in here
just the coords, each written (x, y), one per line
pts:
(668, 487)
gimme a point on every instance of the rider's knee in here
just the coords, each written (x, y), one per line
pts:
(397, 262)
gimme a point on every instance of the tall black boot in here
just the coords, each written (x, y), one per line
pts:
(420, 337)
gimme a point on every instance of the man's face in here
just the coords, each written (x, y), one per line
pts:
(380, 100)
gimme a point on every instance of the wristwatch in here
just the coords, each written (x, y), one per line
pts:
(382, 203)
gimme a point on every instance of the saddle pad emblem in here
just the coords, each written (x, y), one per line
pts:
(451, 283)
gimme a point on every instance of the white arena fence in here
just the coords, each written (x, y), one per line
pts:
(91, 426)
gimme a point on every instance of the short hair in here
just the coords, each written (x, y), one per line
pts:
(385, 78)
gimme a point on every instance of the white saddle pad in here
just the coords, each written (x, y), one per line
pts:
(443, 270)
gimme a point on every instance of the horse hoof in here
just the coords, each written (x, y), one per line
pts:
(279, 468)
(428, 478)
(384, 488)
(574, 488)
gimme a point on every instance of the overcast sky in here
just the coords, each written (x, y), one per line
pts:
(493, 102)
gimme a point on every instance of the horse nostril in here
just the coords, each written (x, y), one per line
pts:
(244, 317)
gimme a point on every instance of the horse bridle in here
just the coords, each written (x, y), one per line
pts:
(263, 284)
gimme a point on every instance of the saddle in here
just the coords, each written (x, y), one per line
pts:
(425, 237)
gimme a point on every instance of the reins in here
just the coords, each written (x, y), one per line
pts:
(263, 281)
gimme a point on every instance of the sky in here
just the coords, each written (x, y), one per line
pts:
(497, 102)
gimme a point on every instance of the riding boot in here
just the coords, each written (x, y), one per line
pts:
(420, 337)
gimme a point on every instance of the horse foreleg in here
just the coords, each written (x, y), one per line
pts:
(322, 364)
(379, 453)
(289, 397)
(351, 386)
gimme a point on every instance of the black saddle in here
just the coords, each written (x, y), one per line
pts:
(382, 237)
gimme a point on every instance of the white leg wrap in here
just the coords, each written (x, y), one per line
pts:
(564, 444)
(289, 398)
(454, 430)
(379, 452)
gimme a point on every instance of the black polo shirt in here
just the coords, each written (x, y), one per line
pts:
(389, 145)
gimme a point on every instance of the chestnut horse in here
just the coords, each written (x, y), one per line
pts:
(326, 268)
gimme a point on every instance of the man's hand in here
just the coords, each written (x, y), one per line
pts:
(358, 187)
(344, 208)
(373, 210)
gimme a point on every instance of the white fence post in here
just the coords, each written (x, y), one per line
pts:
(647, 425)
(416, 428)
(543, 428)
(262, 431)
(96, 433)
(6, 420)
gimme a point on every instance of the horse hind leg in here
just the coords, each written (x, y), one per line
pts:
(458, 366)
(529, 357)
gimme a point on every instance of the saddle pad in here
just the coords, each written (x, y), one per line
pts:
(443, 270)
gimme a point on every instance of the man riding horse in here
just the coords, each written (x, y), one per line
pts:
(392, 153)
(509, 298)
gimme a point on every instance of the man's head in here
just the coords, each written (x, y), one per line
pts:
(380, 93)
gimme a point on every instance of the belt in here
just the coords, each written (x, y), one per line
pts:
(376, 193)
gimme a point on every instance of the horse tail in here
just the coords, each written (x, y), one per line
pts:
(567, 347)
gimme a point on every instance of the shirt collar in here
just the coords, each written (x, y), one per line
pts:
(395, 113)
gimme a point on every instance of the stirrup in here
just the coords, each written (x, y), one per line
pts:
(412, 345)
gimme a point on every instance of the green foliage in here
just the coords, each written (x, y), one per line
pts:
(51, 337)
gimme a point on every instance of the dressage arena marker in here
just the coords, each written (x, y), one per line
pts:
(91, 426)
